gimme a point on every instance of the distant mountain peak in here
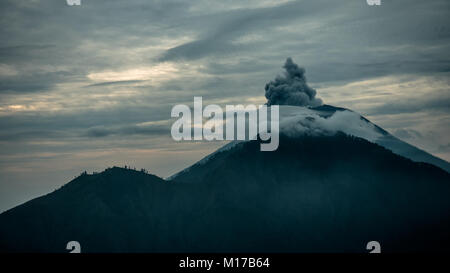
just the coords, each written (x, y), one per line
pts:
(328, 120)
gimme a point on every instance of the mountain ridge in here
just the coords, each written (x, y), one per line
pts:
(301, 198)
(305, 114)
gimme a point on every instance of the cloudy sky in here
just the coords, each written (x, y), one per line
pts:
(92, 86)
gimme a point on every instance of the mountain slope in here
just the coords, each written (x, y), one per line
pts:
(314, 194)
(378, 135)
(328, 120)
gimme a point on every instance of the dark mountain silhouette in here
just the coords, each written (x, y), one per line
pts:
(314, 194)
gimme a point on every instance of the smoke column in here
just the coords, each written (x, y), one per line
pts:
(291, 89)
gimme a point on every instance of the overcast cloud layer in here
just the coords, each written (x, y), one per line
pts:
(84, 88)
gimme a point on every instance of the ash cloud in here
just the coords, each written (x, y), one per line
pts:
(291, 89)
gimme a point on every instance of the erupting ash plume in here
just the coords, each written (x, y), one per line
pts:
(291, 89)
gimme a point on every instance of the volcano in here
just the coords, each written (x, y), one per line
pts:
(336, 182)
